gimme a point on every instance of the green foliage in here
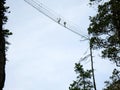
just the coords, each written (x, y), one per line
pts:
(94, 2)
(114, 84)
(3, 19)
(83, 81)
(4, 33)
(105, 30)
(3, 10)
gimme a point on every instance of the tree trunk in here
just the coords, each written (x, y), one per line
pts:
(92, 67)
(2, 59)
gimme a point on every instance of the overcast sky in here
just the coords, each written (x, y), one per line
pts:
(42, 53)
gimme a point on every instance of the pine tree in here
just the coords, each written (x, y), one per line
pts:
(105, 30)
(83, 81)
(3, 35)
(114, 84)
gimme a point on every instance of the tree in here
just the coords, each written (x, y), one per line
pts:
(104, 30)
(114, 84)
(83, 81)
(4, 33)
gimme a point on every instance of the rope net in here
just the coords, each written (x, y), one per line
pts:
(55, 17)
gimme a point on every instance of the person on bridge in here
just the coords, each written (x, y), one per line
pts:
(64, 24)
(59, 20)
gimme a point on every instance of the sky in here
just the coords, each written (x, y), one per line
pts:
(42, 54)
